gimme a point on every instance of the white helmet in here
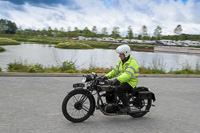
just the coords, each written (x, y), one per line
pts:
(123, 49)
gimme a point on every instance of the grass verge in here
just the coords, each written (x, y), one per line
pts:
(8, 41)
(69, 67)
(73, 45)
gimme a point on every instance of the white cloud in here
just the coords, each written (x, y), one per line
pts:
(121, 13)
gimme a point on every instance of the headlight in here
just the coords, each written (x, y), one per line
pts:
(86, 78)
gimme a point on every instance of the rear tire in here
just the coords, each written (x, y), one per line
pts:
(142, 104)
(78, 105)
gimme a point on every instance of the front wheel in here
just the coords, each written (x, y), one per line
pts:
(78, 105)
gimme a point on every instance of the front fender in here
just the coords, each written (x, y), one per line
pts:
(78, 85)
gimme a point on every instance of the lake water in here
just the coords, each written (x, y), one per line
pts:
(47, 55)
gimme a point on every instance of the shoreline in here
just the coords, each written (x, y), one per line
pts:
(174, 49)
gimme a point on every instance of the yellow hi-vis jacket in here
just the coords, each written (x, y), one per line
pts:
(127, 72)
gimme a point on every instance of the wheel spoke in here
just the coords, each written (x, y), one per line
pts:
(83, 98)
(85, 108)
(74, 98)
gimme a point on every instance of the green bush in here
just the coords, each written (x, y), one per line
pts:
(73, 45)
(0, 69)
(185, 71)
(35, 68)
(96, 44)
(45, 40)
(67, 65)
(17, 67)
(20, 67)
(32, 69)
(53, 69)
(72, 71)
(2, 49)
(149, 70)
(85, 71)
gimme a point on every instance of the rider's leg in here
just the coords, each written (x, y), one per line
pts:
(120, 92)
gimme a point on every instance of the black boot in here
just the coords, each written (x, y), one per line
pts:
(125, 101)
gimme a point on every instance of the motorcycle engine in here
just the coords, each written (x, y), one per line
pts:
(110, 108)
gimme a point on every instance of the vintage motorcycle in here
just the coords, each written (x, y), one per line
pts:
(80, 104)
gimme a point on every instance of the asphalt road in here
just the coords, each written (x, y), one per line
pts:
(33, 105)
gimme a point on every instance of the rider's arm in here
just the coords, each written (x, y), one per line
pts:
(115, 71)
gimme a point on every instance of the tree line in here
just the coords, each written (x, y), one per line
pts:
(8, 27)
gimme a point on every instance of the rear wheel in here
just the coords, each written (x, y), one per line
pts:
(78, 105)
(139, 107)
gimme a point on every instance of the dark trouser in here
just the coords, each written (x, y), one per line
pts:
(120, 92)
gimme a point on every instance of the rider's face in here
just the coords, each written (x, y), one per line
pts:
(122, 56)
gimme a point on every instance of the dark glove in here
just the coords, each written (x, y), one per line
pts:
(115, 82)
(104, 77)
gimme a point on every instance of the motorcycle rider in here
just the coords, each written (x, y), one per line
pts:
(127, 72)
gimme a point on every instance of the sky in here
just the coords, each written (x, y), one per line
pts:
(39, 14)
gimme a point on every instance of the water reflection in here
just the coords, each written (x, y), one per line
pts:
(46, 55)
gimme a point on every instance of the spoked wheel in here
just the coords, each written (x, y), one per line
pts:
(139, 107)
(78, 105)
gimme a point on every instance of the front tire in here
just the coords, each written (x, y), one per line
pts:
(78, 105)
